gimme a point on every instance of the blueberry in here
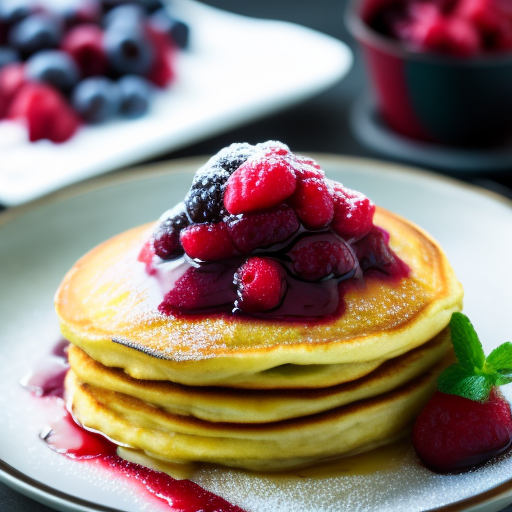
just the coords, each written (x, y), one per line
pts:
(14, 11)
(128, 50)
(53, 67)
(37, 32)
(128, 15)
(96, 99)
(81, 11)
(176, 29)
(8, 56)
(135, 95)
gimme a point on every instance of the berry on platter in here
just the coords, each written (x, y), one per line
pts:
(264, 225)
(102, 59)
(468, 421)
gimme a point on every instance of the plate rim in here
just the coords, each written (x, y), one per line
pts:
(60, 500)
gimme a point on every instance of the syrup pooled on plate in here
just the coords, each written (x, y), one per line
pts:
(66, 437)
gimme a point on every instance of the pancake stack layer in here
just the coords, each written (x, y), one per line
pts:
(251, 393)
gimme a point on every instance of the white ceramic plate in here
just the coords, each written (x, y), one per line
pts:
(236, 70)
(41, 241)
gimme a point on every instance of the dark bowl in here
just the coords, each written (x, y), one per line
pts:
(436, 98)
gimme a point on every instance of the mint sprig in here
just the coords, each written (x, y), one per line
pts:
(474, 375)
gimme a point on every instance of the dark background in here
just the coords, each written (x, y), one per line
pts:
(317, 125)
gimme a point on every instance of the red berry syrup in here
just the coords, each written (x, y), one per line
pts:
(65, 436)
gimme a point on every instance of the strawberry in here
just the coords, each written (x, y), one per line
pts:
(261, 182)
(468, 421)
(261, 284)
(46, 112)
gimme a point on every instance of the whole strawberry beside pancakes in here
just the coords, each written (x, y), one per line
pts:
(468, 421)
(263, 231)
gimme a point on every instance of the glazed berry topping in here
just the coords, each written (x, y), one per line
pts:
(260, 183)
(353, 213)
(468, 421)
(166, 239)
(261, 230)
(208, 242)
(319, 257)
(260, 284)
(261, 224)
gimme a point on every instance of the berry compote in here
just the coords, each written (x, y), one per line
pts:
(263, 232)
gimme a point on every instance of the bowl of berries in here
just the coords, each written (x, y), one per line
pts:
(441, 70)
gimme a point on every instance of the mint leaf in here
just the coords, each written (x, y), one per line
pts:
(456, 380)
(500, 359)
(466, 344)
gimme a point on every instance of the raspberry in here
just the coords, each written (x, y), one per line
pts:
(315, 258)
(353, 212)
(12, 78)
(46, 112)
(259, 230)
(200, 288)
(85, 45)
(273, 147)
(233, 156)
(312, 202)
(258, 184)
(207, 242)
(453, 36)
(261, 284)
(146, 256)
(373, 252)
(166, 239)
(454, 433)
(204, 201)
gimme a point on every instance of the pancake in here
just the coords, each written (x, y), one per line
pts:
(216, 404)
(106, 306)
(344, 430)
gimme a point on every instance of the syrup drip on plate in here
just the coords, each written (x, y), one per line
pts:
(65, 436)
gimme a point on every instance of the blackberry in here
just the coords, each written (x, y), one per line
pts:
(232, 157)
(166, 238)
(205, 199)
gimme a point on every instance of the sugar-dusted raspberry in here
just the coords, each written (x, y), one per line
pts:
(146, 255)
(305, 162)
(204, 201)
(273, 147)
(374, 253)
(166, 238)
(208, 242)
(260, 230)
(233, 156)
(316, 257)
(200, 287)
(259, 183)
(261, 284)
(313, 202)
(353, 212)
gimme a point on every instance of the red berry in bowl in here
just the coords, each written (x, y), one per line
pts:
(84, 44)
(259, 184)
(46, 111)
(251, 231)
(261, 284)
(468, 421)
(207, 242)
(316, 257)
(353, 213)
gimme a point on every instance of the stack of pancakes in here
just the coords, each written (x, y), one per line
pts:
(252, 393)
